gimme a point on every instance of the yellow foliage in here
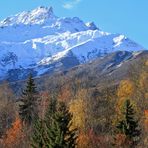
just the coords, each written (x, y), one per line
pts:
(78, 109)
(146, 63)
(146, 95)
(126, 89)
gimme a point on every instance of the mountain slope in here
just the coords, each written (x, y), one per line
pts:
(100, 73)
(37, 41)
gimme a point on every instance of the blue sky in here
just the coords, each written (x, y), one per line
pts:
(129, 17)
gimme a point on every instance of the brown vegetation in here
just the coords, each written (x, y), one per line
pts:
(95, 109)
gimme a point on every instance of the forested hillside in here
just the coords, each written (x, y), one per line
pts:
(77, 108)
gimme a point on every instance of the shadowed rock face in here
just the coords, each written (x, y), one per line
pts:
(111, 68)
(63, 64)
(104, 71)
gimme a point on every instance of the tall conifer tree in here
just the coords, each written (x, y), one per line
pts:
(28, 102)
(38, 135)
(128, 125)
(59, 134)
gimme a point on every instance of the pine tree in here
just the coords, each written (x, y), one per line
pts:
(54, 131)
(38, 136)
(58, 132)
(128, 126)
(28, 103)
(51, 109)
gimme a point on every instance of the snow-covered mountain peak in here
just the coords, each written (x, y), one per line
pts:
(39, 41)
(92, 26)
(39, 15)
(43, 9)
(42, 12)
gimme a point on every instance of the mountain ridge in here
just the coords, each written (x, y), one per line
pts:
(37, 40)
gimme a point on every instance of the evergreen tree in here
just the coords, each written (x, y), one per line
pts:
(129, 125)
(58, 132)
(51, 109)
(28, 102)
(38, 136)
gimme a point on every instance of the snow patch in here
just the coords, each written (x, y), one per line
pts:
(118, 40)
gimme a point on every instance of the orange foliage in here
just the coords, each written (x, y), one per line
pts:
(91, 140)
(146, 119)
(14, 135)
(121, 141)
(83, 141)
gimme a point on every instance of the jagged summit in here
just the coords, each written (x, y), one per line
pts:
(39, 41)
(92, 26)
(37, 16)
(45, 9)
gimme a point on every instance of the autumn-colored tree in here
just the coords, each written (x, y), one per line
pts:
(145, 137)
(14, 135)
(139, 77)
(83, 140)
(146, 119)
(135, 88)
(126, 89)
(91, 140)
(121, 141)
(7, 108)
(78, 108)
(101, 110)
